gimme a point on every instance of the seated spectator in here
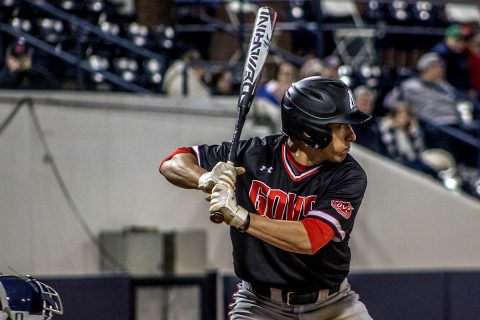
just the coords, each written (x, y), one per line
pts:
(403, 138)
(21, 71)
(473, 53)
(269, 95)
(429, 94)
(434, 101)
(331, 65)
(274, 89)
(453, 51)
(368, 134)
(174, 80)
(222, 84)
(311, 67)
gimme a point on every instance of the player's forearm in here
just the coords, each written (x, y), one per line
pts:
(182, 170)
(287, 235)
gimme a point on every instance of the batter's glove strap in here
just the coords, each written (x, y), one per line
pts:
(246, 224)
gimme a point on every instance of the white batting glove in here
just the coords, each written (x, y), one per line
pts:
(222, 172)
(223, 200)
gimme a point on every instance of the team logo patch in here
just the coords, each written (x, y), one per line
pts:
(342, 207)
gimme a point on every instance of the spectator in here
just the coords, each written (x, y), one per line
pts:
(432, 99)
(22, 72)
(331, 64)
(429, 94)
(473, 53)
(311, 67)
(269, 96)
(174, 80)
(453, 50)
(368, 134)
(222, 83)
(274, 89)
(404, 142)
(403, 138)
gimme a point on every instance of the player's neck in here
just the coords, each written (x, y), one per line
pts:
(303, 153)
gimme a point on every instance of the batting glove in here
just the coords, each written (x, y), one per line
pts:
(223, 200)
(222, 172)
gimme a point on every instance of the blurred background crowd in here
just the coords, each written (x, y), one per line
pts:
(413, 65)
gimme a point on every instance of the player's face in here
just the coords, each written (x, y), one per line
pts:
(342, 138)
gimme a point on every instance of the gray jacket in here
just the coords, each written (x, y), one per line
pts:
(434, 101)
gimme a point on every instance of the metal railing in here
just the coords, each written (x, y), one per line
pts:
(470, 138)
(71, 59)
(77, 60)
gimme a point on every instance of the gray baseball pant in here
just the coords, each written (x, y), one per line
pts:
(342, 305)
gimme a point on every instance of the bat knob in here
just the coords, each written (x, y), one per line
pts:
(216, 217)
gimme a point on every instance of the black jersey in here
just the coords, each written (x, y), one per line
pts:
(274, 186)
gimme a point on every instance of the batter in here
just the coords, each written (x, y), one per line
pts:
(291, 203)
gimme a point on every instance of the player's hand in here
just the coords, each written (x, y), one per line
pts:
(222, 172)
(223, 200)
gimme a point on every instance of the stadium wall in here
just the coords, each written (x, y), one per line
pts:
(108, 148)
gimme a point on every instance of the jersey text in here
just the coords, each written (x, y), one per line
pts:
(277, 204)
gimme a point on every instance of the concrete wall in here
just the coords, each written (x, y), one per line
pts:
(108, 147)
(409, 221)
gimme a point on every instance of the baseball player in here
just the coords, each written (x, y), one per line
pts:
(292, 211)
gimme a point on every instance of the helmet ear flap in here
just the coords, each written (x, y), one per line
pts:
(319, 139)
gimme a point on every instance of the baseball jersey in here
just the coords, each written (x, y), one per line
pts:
(277, 187)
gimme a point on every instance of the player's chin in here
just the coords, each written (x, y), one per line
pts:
(340, 157)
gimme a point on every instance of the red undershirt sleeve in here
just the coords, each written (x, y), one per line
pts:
(177, 151)
(318, 232)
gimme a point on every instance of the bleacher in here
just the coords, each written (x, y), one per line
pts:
(89, 45)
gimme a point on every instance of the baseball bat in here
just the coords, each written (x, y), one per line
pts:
(256, 56)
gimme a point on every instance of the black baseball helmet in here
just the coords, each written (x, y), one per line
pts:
(312, 103)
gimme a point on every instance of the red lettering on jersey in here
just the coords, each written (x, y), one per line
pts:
(295, 205)
(309, 202)
(258, 196)
(276, 204)
(342, 207)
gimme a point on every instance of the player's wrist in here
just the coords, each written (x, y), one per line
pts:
(240, 219)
